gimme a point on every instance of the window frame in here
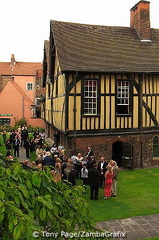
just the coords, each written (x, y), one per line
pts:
(124, 92)
(5, 121)
(28, 88)
(37, 102)
(156, 146)
(97, 97)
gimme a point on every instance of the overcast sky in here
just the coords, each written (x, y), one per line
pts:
(25, 24)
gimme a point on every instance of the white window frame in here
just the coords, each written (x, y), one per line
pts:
(28, 86)
(123, 95)
(36, 102)
(123, 92)
(90, 97)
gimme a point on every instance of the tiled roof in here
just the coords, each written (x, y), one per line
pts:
(92, 48)
(20, 68)
(3, 81)
(47, 52)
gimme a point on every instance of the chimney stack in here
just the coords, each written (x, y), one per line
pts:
(13, 62)
(140, 19)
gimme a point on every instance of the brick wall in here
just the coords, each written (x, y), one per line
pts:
(102, 146)
(140, 19)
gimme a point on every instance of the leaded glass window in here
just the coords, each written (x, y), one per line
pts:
(123, 97)
(90, 97)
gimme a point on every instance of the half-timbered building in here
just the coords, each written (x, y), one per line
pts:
(103, 88)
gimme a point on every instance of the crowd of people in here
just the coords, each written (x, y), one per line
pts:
(20, 138)
(96, 174)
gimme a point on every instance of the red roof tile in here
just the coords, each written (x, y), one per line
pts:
(20, 68)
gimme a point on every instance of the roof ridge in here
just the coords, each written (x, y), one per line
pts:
(91, 25)
(86, 24)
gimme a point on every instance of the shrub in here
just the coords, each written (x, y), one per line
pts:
(6, 127)
(30, 202)
(20, 122)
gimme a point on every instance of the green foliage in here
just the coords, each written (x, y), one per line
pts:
(2, 146)
(31, 202)
(21, 122)
(34, 129)
(6, 127)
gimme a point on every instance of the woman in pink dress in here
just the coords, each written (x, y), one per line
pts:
(108, 182)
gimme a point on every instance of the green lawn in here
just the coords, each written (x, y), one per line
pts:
(138, 194)
(153, 238)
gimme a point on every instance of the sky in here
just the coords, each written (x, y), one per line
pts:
(25, 24)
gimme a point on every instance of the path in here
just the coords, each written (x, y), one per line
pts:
(134, 228)
(22, 152)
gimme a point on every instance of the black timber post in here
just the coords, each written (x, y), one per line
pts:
(140, 115)
(66, 107)
(75, 110)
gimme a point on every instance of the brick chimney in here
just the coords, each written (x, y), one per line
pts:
(140, 19)
(13, 62)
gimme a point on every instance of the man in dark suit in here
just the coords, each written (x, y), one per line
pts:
(89, 153)
(27, 147)
(93, 178)
(91, 161)
(72, 175)
(16, 144)
(12, 136)
(102, 164)
(48, 160)
(24, 135)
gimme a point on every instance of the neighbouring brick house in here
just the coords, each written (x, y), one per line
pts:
(102, 88)
(20, 92)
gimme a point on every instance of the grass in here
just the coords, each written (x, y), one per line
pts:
(138, 194)
(153, 238)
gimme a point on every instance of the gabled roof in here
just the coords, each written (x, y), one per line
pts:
(20, 68)
(92, 48)
(3, 81)
(20, 90)
(47, 54)
(47, 50)
(22, 93)
(46, 62)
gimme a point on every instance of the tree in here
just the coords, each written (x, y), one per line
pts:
(33, 205)
(21, 122)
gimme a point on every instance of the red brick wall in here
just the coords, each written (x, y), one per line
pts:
(102, 146)
(140, 19)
